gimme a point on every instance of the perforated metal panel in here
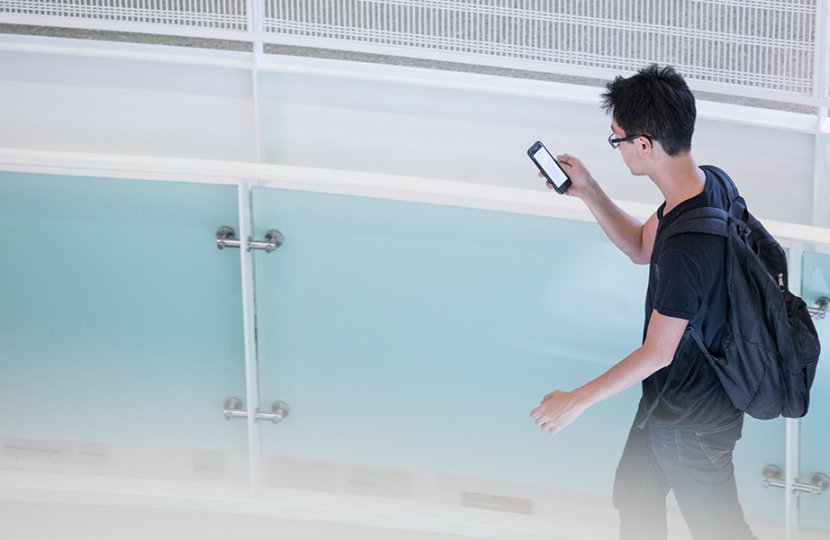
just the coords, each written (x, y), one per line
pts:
(144, 15)
(762, 43)
(774, 46)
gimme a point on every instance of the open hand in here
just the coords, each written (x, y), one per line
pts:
(557, 411)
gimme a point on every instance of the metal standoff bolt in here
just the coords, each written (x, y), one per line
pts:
(774, 477)
(273, 240)
(819, 483)
(278, 413)
(819, 310)
(226, 237)
(234, 409)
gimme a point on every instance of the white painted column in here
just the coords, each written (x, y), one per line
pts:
(792, 465)
(821, 182)
(246, 260)
(256, 11)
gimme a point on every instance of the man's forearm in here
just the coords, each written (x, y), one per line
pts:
(558, 409)
(629, 371)
(662, 338)
(624, 230)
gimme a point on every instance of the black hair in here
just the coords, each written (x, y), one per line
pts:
(656, 101)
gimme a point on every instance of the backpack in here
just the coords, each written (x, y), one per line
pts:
(770, 345)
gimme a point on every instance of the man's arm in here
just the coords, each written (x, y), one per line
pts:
(632, 237)
(558, 409)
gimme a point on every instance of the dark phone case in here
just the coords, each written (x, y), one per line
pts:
(532, 150)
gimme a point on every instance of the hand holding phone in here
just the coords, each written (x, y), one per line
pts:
(549, 167)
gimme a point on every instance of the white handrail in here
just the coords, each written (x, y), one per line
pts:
(347, 182)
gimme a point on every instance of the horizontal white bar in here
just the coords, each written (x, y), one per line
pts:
(131, 51)
(357, 183)
(759, 117)
(324, 507)
(405, 188)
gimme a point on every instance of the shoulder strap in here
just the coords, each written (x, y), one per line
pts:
(711, 220)
(737, 205)
(669, 377)
(706, 220)
(725, 181)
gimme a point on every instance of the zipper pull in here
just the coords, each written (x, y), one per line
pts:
(781, 281)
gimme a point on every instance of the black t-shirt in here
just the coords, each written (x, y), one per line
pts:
(687, 280)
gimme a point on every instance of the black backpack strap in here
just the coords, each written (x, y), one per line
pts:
(705, 220)
(724, 180)
(737, 205)
(750, 229)
(669, 377)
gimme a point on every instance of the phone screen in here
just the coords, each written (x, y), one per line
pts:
(549, 166)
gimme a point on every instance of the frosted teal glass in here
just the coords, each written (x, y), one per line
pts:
(420, 337)
(763, 443)
(815, 446)
(411, 337)
(120, 320)
(405, 337)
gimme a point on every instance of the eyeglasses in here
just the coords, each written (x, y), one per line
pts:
(615, 142)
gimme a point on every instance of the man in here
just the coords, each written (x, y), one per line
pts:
(686, 427)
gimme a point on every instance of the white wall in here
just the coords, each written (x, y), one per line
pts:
(821, 200)
(476, 136)
(389, 119)
(123, 106)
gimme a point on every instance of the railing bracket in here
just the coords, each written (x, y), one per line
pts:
(235, 409)
(774, 477)
(819, 310)
(226, 237)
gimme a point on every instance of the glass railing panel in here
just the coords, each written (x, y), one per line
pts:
(763, 443)
(815, 435)
(411, 341)
(121, 329)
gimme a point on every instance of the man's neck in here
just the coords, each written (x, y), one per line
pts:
(679, 179)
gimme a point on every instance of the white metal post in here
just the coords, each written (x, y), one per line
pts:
(822, 57)
(792, 458)
(255, 30)
(821, 185)
(791, 468)
(246, 260)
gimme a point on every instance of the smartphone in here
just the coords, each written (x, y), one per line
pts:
(549, 167)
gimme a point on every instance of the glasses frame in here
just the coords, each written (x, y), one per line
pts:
(616, 141)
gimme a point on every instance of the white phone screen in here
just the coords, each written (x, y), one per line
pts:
(545, 160)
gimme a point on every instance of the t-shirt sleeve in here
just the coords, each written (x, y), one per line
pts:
(679, 285)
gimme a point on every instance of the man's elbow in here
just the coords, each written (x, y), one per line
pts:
(658, 356)
(663, 360)
(639, 258)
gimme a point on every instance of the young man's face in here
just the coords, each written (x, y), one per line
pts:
(630, 150)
